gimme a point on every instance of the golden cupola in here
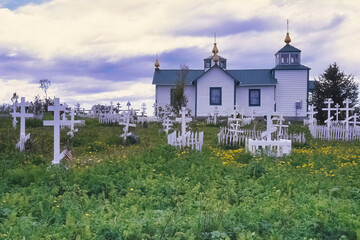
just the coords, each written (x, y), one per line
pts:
(287, 39)
(157, 64)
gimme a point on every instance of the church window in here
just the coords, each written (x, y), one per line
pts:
(294, 58)
(215, 96)
(285, 58)
(254, 97)
(223, 63)
(207, 63)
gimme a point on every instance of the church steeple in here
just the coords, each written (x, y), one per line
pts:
(215, 52)
(157, 64)
(287, 39)
(215, 59)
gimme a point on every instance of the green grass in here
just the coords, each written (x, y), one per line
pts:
(153, 191)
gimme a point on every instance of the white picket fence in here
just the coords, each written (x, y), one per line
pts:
(336, 132)
(276, 148)
(226, 136)
(191, 139)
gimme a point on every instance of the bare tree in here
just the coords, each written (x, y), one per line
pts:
(178, 98)
(44, 85)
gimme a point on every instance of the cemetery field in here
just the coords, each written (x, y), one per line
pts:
(147, 189)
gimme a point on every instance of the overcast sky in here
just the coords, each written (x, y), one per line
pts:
(100, 51)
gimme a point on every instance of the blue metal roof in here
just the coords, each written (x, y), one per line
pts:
(169, 77)
(253, 77)
(291, 67)
(244, 77)
(289, 48)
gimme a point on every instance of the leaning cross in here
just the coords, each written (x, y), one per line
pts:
(126, 124)
(22, 115)
(57, 108)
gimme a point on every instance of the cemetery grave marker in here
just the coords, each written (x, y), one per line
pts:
(56, 123)
(22, 115)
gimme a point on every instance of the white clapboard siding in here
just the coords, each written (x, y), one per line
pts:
(215, 77)
(163, 96)
(291, 87)
(267, 99)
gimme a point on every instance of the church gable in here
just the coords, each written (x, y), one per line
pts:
(215, 88)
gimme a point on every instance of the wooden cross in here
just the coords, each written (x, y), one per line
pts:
(118, 106)
(72, 123)
(329, 101)
(143, 113)
(56, 123)
(337, 113)
(155, 106)
(126, 124)
(216, 112)
(14, 122)
(347, 110)
(22, 115)
(183, 121)
(167, 125)
(269, 128)
(311, 114)
(279, 124)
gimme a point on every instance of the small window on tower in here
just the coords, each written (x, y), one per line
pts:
(207, 63)
(285, 58)
(294, 58)
(223, 63)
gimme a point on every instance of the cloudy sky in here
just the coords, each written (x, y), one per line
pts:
(100, 51)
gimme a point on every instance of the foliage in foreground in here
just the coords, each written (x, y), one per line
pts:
(157, 192)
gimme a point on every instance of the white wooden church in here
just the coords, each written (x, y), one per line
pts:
(282, 89)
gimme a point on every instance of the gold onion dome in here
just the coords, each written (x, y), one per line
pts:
(287, 39)
(215, 49)
(215, 58)
(157, 64)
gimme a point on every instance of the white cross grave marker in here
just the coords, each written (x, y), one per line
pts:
(143, 113)
(216, 112)
(337, 112)
(56, 123)
(328, 101)
(167, 125)
(183, 121)
(126, 124)
(14, 122)
(311, 113)
(72, 123)
(347, 110)
(22, 115)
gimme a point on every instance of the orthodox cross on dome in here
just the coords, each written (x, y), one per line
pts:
(157, 64)
(287, 39)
